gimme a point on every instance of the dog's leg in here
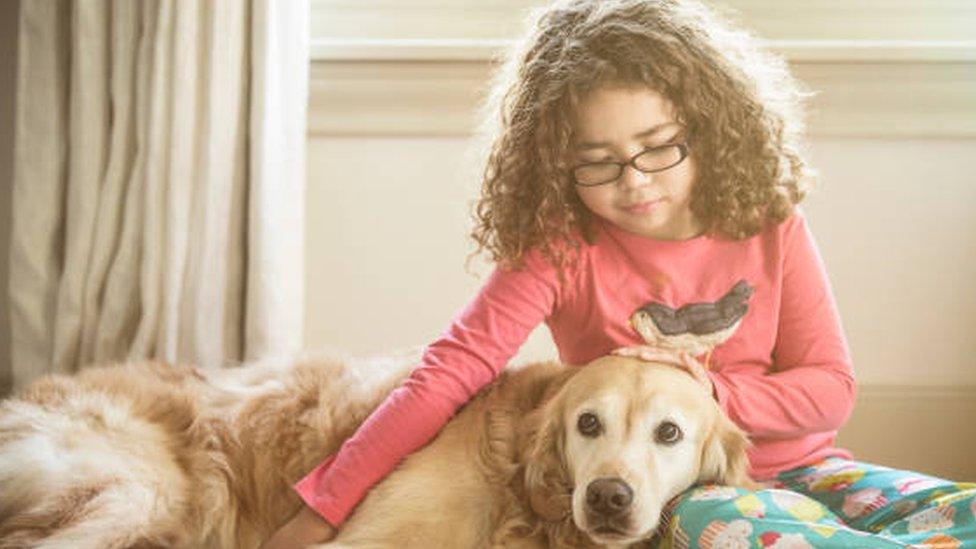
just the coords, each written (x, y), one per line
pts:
(346, 545)
(91, 476)
(109, 516)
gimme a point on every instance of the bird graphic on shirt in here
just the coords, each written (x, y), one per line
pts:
(696, 328)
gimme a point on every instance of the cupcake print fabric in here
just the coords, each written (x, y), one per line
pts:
(835, 503)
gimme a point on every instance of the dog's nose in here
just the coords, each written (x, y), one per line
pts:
(609, 496)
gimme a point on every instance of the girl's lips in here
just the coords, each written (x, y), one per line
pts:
(643, 207)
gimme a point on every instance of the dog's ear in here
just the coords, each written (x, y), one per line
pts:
(724, 459)
(546, 479)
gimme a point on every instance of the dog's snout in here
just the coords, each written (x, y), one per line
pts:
(609, 496)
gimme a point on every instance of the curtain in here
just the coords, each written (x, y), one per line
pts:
(159, 177)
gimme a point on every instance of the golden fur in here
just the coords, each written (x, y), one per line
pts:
(157, 455)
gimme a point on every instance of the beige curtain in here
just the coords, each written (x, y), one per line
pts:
(158, 190)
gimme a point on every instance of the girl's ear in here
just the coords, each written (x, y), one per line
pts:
(547, 482)
(724, 459)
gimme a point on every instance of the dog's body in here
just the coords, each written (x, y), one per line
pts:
(154, 455)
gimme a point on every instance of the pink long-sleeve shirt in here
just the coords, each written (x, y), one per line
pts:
(784, 375)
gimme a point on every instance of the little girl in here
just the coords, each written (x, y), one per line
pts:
(648, 157)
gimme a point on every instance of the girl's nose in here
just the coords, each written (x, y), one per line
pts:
(632, 177)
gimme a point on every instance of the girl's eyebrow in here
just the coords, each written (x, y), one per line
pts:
(646, 133)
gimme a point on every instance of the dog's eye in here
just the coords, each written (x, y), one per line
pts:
(588, 424)
(667, 433)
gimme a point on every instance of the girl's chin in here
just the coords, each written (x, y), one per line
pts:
(645, 208)
(658, 231)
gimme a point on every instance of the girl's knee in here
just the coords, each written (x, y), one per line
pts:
(708, 514)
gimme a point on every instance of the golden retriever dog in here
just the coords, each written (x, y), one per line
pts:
(157, 455)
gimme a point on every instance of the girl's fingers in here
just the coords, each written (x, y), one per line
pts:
(681, 359)
(642, 353)
(652, 354)
(667, 358)
(639, 350)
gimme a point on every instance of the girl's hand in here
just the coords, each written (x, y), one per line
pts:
(304, 529)
(680, 359)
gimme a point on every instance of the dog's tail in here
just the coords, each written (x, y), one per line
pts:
(71, 476)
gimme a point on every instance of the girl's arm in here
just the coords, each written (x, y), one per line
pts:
(811, 386)
(476, 347)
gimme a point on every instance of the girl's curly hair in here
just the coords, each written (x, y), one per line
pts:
(741, 107)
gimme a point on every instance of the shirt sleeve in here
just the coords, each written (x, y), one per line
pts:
(811, 386)
(476, 347)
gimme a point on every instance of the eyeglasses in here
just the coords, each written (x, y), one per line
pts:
(654, 159)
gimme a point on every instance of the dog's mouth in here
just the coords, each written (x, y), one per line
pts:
(608, 533)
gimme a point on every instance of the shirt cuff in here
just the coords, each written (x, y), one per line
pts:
(319, 500)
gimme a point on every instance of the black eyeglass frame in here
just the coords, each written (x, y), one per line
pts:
(682, 147)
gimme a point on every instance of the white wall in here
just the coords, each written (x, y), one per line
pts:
(897, 227)
(387, 223)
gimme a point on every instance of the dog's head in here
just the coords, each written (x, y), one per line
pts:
(613, 441)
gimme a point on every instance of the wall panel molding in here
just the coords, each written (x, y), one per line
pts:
(409, 97)
(484, 49)
(922, 428)
(770, 19)
(884, 68)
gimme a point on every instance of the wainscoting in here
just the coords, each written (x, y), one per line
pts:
(928, 429)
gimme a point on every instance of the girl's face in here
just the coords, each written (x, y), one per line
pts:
(615, 124)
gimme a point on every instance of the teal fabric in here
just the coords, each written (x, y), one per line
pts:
(835, 503)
